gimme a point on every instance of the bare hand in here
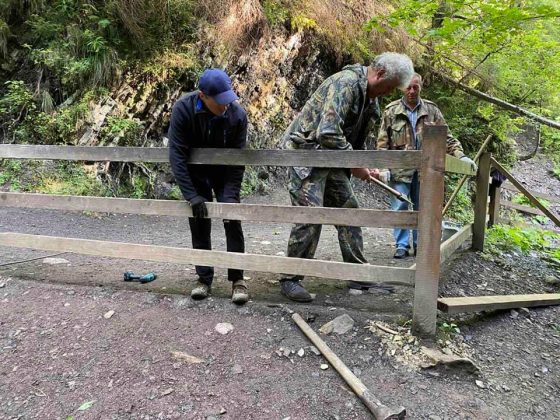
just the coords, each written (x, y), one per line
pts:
(374, 173)
(362, 173)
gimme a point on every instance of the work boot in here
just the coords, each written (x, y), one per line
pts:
(201, 291)
(240, 292)
(295, 291)
(401, 253)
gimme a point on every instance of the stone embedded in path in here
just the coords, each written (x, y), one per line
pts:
(223, 328)
(340, 325)
(355, 292)
(109, 314)
(55, 261)
(237, 369)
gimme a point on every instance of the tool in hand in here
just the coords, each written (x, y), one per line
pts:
(146, 278)
(396, 193)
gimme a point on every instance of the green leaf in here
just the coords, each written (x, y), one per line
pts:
(86, 405)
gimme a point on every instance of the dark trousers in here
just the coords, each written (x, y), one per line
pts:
(201, 237)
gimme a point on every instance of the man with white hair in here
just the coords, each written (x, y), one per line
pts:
(338, 116)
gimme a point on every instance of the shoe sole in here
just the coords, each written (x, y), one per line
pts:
(198, 297)
(297, 300)
(240, 300)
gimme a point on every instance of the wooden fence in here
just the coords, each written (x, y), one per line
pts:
(432, 163)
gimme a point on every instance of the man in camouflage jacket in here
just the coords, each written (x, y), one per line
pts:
(402, 126)
(338, 116)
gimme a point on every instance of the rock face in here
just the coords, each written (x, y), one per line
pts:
(340, 325)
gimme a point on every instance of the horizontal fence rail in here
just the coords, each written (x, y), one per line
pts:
(249, 212)
(312, 158)
(458, 166)
(253, 262)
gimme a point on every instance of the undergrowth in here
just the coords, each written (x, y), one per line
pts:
(514, 238)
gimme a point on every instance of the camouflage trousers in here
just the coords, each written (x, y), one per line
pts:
(328, 188)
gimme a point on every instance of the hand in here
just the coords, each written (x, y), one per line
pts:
(467, 159)
(198, 205)
(385, 176)
(374, 173)
(362, 173)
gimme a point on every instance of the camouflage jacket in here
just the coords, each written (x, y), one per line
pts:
(338, 116)
(395, 133)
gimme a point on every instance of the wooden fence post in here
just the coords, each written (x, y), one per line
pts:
(494, 209)
(481, 202)
(429, 230)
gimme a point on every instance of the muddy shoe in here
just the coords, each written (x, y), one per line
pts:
(401, 253)
(201, 291)
(295, 291)
(240, 292)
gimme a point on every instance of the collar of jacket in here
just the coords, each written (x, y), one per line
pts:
(422, 108)
(200, 108)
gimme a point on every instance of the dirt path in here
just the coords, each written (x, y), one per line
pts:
(59, 352)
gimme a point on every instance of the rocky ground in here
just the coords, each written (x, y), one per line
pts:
(76, 341)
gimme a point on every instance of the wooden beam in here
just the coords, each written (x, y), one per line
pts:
(253, 262)
(315, 158)
(552, 216)
(458, 166)
(491, 303)
(429, 230)
(547, 197)
(455, 241)
(252, 212)
(522, 208)
(481, 202)
(494, 207)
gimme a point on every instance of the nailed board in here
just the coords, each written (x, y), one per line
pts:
(490, 303)
(457, 166)
(521, 208)
(252, 212)
(273, 157)
(253, 262)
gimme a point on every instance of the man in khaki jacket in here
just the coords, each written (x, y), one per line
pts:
(402, 125)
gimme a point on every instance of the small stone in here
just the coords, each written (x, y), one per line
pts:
(357, 371)
(552, 280)
(525, 311)
(223, 328)
(108, 314)
(355, 292)
(324, 366)
(314, 350)
(55, 261)
(287, 352)
(480, 384)
(513, 314)
(340, 325)
(506, 388)
(301, 352)
(544, 370)
(434, 417)
(237, 369)
(167, 392)
(2, 284)
(223, 411)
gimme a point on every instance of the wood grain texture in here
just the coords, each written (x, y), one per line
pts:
(455, 305)
(481, 202)
(521, 208)
(457, 166)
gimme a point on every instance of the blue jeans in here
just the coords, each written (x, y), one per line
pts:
(412, 191)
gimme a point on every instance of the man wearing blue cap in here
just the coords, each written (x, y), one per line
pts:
(210, 118)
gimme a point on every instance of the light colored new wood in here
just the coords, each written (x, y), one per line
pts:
(429, 231)
(252, 212)
(551, 215)
(491, 303)
(314, 158)
(458, 166)
(266, 263)
(519, 207)
(546, 197)
(481, 202)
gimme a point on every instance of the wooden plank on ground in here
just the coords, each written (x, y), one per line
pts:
(252, 212)
(550, 198)
(316, 158)
(519, 207)
(253, 262)
(455, 305)
(552, 216)
(457, 166)
(429, 230)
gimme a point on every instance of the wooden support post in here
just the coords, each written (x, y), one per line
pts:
(481, 202)
(429, 230)
(494, 209)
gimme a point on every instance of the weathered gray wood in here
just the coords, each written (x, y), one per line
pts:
(547, 197)
(448, 247)
(252, 212)
(429, 230)
(254, 262)
(552, 216)
(491, 303)
(522, 208)
(481, 202)
(458, 166)
(494, 207)
(315, 158)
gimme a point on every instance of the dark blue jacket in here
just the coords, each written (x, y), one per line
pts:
(194, 126)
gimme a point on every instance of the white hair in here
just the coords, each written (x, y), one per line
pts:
(396, 66)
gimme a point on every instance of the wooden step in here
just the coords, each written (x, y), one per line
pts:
(455, 305)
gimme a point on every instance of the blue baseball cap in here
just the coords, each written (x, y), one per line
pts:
(217, 84)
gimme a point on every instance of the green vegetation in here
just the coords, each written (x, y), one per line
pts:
(524, 201)
(507, 238)
(69, 178)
